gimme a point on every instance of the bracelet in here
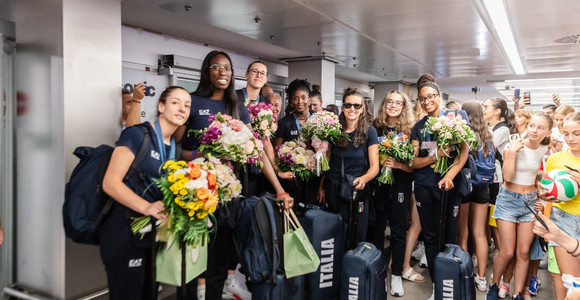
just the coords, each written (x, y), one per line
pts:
(508, 156)
(572, 252)
(282, 194)
(138, 101)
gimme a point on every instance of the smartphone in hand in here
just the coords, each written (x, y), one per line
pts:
(536, 215)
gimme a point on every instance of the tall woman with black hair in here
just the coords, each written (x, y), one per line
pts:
(358, 156)
(393, 200)
(428, 184)
(216, 94)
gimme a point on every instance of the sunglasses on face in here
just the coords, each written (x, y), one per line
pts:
(349, 105)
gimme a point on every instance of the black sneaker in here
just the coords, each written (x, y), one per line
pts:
(518, 297)
(493, 292)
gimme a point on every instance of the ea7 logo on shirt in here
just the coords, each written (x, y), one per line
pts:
(204, 112)
(135, 263)
(155, 155)
(293, 132)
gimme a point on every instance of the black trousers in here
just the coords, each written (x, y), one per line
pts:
(129, 267)
(429, 207)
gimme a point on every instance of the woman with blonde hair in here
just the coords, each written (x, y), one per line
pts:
(558, 143)
(393, 200)
(523, 118)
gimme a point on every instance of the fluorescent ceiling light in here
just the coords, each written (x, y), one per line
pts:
(497, 13)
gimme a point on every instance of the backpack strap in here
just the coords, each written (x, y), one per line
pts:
(135, 168)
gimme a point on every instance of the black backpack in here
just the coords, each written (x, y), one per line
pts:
(85, 203)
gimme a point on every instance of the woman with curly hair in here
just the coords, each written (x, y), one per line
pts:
(394, 115)
(358, 156)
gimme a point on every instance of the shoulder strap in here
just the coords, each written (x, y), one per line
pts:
(499, 125)
(136, 165)
(135, 168)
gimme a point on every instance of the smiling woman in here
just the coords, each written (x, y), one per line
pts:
(127, 278)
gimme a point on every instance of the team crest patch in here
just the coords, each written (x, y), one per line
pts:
(401, 197)
(455, 211)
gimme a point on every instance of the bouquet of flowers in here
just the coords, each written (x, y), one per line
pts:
(263, 119)
(191, 193)
(295, 157)
(450, 131)
(230, 139)
(320, 129)
(399, 148)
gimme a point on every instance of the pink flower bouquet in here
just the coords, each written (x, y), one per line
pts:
(263, 119)
(320, 129)
(230, 139)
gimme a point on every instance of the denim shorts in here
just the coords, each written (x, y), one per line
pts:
(567, 222)
(509, 206)
(536, 252)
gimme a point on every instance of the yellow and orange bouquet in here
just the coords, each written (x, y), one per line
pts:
(191, 193)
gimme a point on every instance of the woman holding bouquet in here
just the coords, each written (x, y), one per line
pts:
(289, 127)
(522, 159)
(216, 94)
(394, 116)
(358, 156)
(127, 258)
(428, 183)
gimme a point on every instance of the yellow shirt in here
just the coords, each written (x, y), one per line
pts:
(560, 160)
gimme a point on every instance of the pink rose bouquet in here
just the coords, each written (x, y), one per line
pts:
(263, 119)
(230, 139)
(320, 129)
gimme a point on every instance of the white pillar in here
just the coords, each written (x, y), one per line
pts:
(317, 71)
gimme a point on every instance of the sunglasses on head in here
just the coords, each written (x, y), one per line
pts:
(349, 105)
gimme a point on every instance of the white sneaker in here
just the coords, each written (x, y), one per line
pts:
(419, 252)
(397, 286)
(233, 286)
(432, 294)
(480, 283)
(423, 262)
(200, 292)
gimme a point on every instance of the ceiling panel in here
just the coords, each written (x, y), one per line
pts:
(391, 40)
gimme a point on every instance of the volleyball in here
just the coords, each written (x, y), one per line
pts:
(559, 184)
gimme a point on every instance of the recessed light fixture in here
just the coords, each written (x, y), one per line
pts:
(501, 24)
(272, 37)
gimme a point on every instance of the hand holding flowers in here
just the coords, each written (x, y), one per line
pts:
(294, 156)
(450, 131)
(394, 147)
(230, 139)
(321, 129)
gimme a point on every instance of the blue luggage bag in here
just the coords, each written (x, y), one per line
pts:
(325, 231)
(453, 266)
(364, 273)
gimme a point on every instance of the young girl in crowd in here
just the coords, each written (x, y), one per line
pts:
(358, 156)
(558, 143)
(127, 258)
(522, 159)
(474, 206)
(216, 94)
(523, 118)
(428, 184)
(566, 215)
(394, 115)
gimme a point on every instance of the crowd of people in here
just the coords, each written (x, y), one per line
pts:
(523, 143)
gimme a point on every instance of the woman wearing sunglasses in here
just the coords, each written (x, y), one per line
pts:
(428, 184)
(216, 94)
(358, 156)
